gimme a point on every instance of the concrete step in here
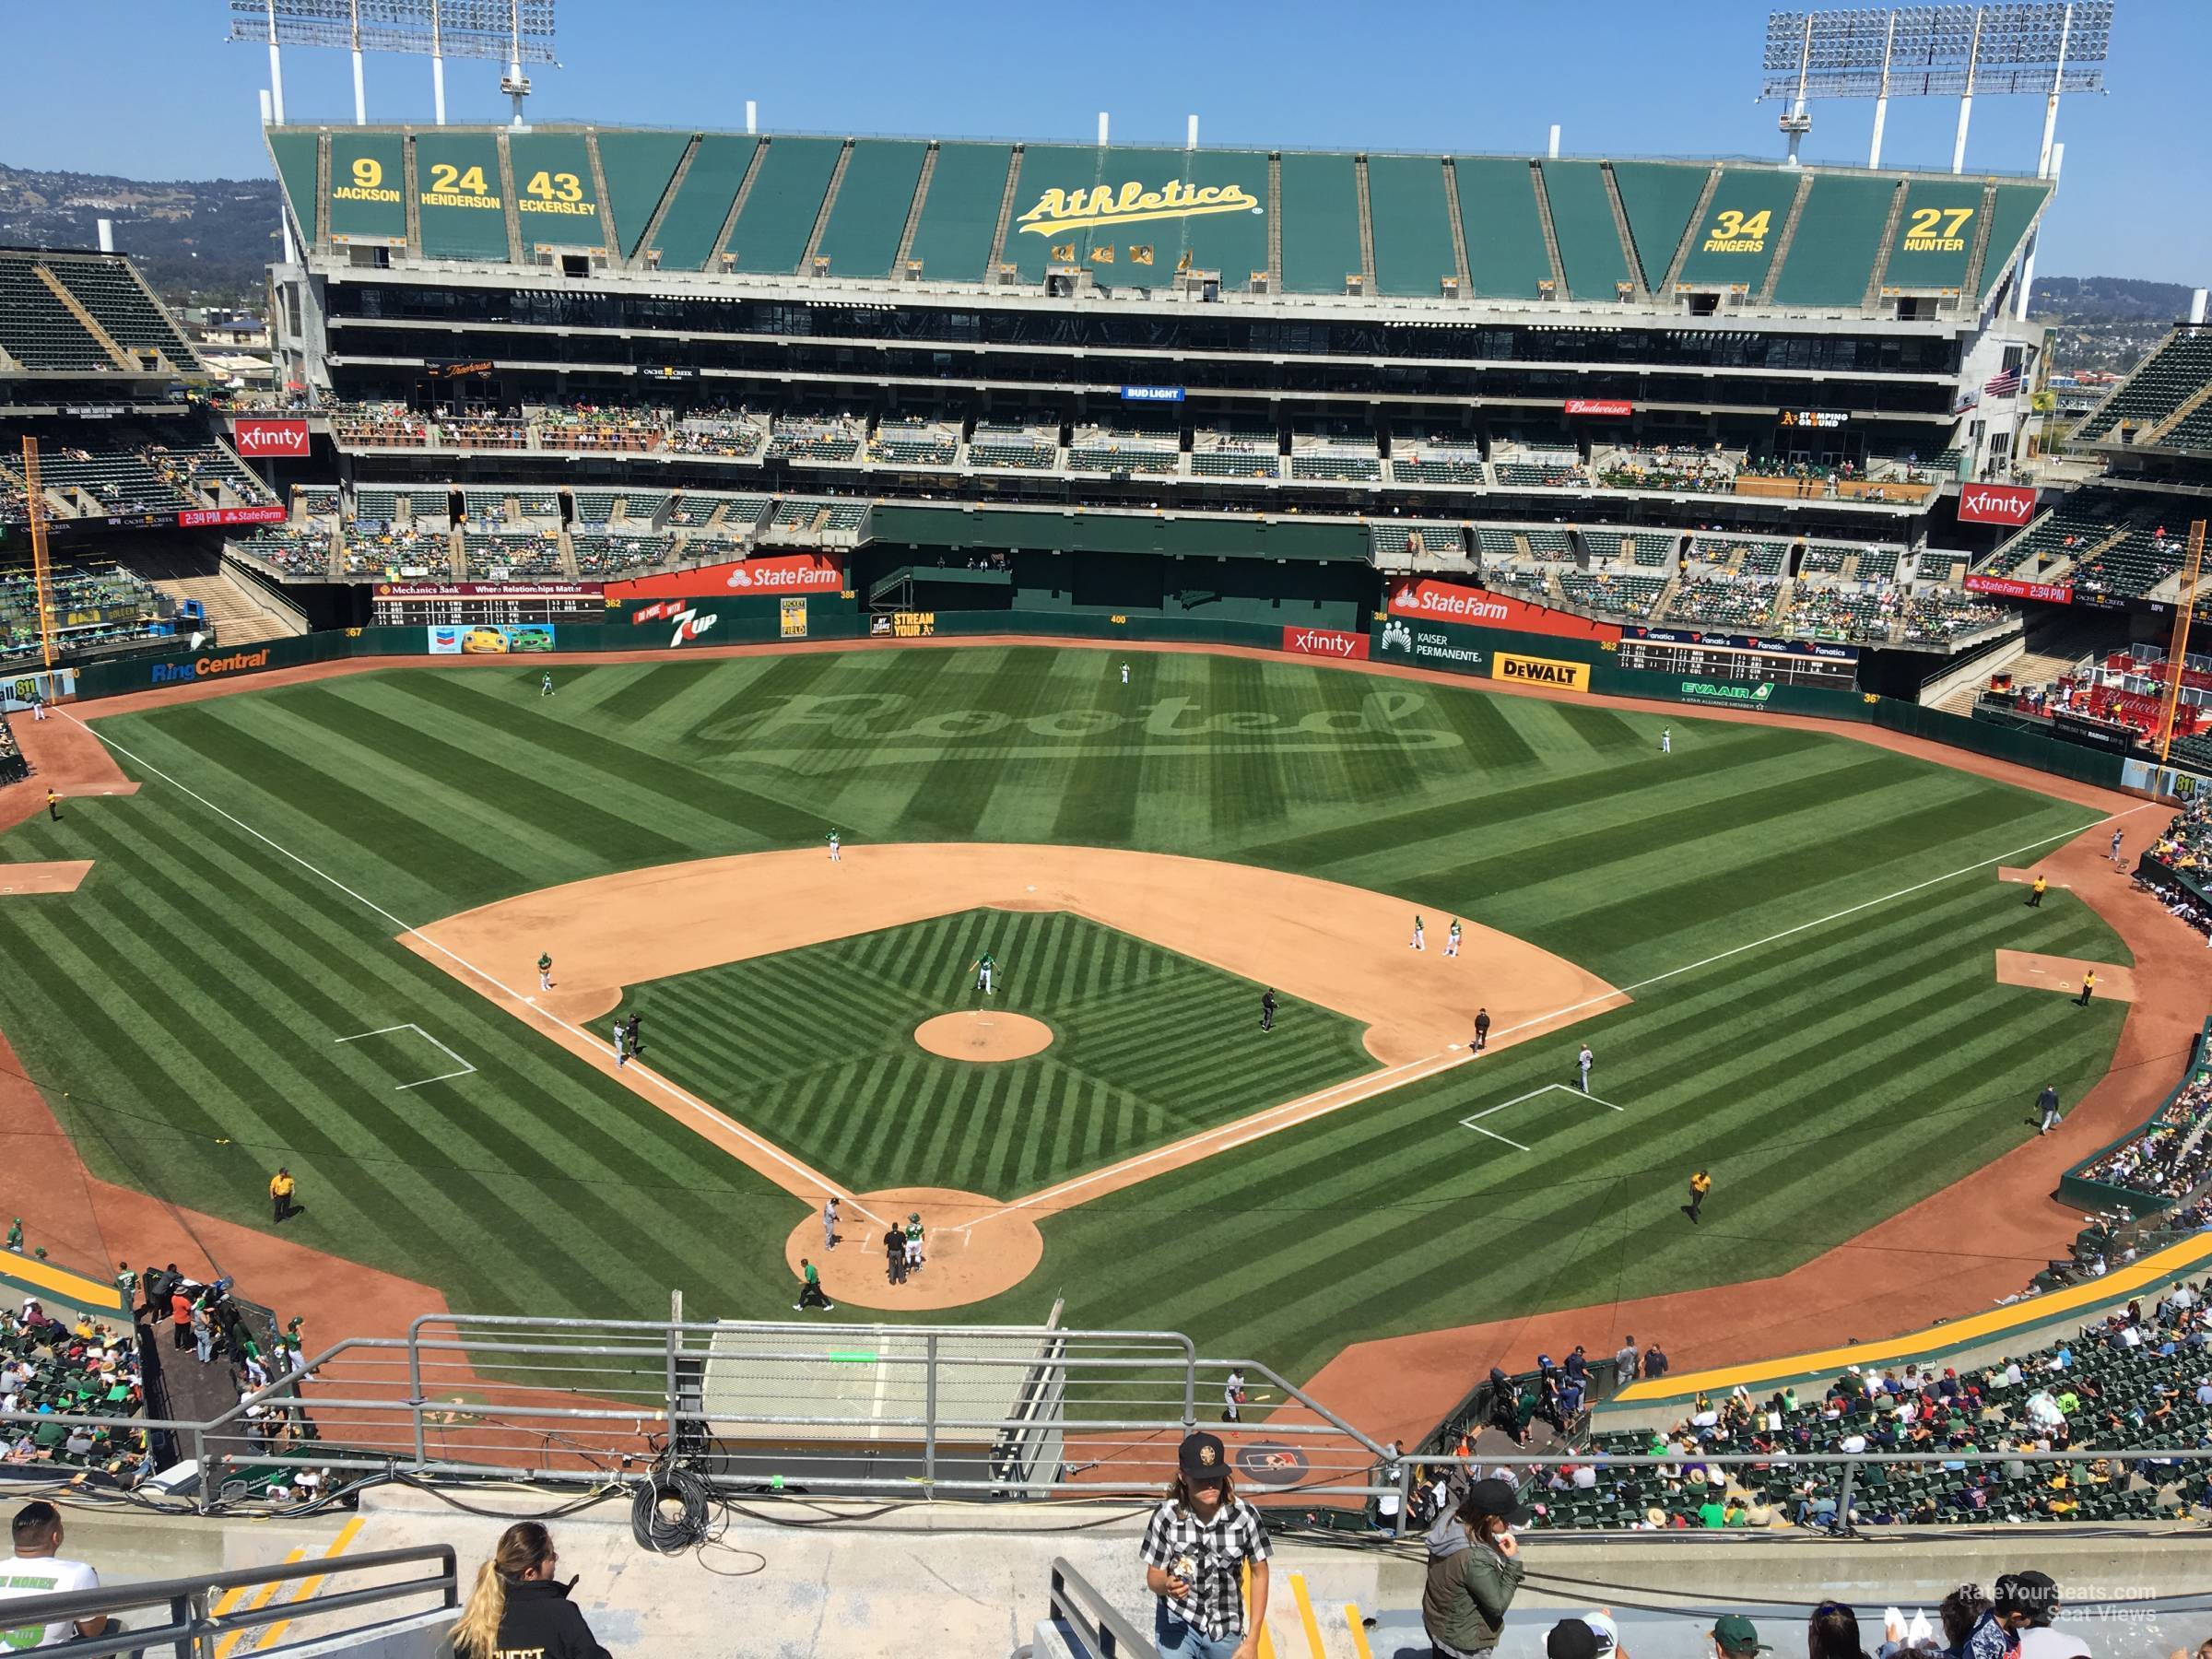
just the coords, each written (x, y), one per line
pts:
(239, 617)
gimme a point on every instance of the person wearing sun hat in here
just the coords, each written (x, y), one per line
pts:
(1475, 1567)
(1736, 1636)
(1194, 1549)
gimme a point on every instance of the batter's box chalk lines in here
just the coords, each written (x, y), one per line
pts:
(810, 1181)
(443, 1076)
(1474, 1120)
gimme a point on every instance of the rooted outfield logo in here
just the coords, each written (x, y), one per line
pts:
(1166, 725)
(1706, 691)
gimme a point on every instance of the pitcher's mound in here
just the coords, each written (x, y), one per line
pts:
(983, 1034)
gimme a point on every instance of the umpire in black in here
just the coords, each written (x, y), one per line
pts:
(1267, 1009)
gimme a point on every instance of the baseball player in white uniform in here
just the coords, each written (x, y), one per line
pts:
(1584, 1060)
(836, 841)
(1452, 939)
(1667, 740)
(1418, 936)
(1124, 673)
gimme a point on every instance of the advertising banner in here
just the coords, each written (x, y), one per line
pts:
(1170, 395)
(2006, 587)
(502, 641)
(1997, 503)
(1540, 671)
(902, 625)
(1599, 405)
(1479, 608)
(257, 437)
(486, 590)
(269, 512)
(791, 617)
(1324, 642)
(1728, 641)
(783, 573)
(1437, 645)
(21, 690)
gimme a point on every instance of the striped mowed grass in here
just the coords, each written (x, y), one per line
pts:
(189, 998)
(814, 1048)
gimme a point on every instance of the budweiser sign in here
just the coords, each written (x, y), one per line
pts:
(259, 437)
(1997, 503)
(787, 573)
(1324, 642)
(1599, 405)
(1478, 607)
(2005, 587)
(196, 517)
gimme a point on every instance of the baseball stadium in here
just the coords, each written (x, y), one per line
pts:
(819, 838)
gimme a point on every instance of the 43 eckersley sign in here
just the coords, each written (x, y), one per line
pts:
(1479, 608)
(786, 573)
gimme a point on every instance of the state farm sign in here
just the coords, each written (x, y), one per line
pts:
(1479, 608)
(1997, 503)
(787, 573)
(273, 438)
(1324, 642)
(2007, 587)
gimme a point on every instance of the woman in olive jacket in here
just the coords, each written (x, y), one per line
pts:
(1473, 1568)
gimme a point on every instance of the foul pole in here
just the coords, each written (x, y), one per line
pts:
(41, 569)
(2177, 649)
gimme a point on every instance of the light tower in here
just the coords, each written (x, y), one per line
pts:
(513, 32)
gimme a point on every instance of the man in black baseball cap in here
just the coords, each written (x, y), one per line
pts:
(1195, 1548)
(1570, 1638)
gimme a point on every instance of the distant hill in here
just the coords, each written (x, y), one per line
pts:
(199, 241)
(2105, 322)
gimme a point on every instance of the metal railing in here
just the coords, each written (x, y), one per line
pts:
(1094, 1627)
(194, 1626)
(934, 1412)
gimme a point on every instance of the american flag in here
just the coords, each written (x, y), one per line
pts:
(2002, 385)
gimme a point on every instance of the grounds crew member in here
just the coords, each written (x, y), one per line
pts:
(1701, 1185)
(281, 1186)
(2088, 987)
(53, 805)
(1482, 1030)
(2035, 893)
(1267, 1009)
(2047, 1103)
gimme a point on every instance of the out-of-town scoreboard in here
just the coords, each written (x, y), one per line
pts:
(1718, 656)
(485, 603)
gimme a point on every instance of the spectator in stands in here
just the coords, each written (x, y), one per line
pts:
(38, 1567)
(1834, 1633)
(1736, 1636)
(1194, 1549)
(518, 1606)
(1996, 1634)
(1475, 1567)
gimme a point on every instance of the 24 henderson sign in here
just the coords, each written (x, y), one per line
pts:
(1430, 601)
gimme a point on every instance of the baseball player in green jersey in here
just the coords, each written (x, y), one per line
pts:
(545, 971)
(986, 971)
(913, 1242)
(836, 841)
(1419, 937)
(1452, 939)
(14, 1236)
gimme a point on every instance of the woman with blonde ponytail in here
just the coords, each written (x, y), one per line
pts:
(518, 1609)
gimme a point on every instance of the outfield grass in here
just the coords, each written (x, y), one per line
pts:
(814, 1048)
(190, 998)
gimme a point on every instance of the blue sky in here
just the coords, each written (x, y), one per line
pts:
(1622, 80)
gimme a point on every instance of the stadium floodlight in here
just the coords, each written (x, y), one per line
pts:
(517, 31)
(2046, 46)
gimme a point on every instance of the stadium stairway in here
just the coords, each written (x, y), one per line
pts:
(240, 619)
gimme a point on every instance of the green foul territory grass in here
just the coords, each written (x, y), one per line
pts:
(814, 1048)
(190, 997)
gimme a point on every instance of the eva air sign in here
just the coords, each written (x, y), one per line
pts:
(1744, 696)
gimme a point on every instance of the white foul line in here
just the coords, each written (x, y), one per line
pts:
(1275, 1119)
(1469, 1122)
(466, 1069)
(679, 1095)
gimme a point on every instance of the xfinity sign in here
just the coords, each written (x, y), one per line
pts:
(1997, 503)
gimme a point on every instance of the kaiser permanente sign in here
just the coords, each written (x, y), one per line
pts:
(1479, 608)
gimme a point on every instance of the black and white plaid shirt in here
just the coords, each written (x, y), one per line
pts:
(1208, 1555)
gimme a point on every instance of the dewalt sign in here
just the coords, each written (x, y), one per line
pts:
(1129, 204)
(1540, 671)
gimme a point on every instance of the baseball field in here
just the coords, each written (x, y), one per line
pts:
(311, 938)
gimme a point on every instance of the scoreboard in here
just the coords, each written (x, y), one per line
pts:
(1739, 657)
(485, 603)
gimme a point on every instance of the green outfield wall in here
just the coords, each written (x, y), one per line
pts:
(1294, 622)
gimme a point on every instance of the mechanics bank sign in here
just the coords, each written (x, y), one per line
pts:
(1130, 204)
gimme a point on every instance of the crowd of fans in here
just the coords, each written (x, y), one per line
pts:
(2171, 1157)
(53, 1367)
(1681, 469)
